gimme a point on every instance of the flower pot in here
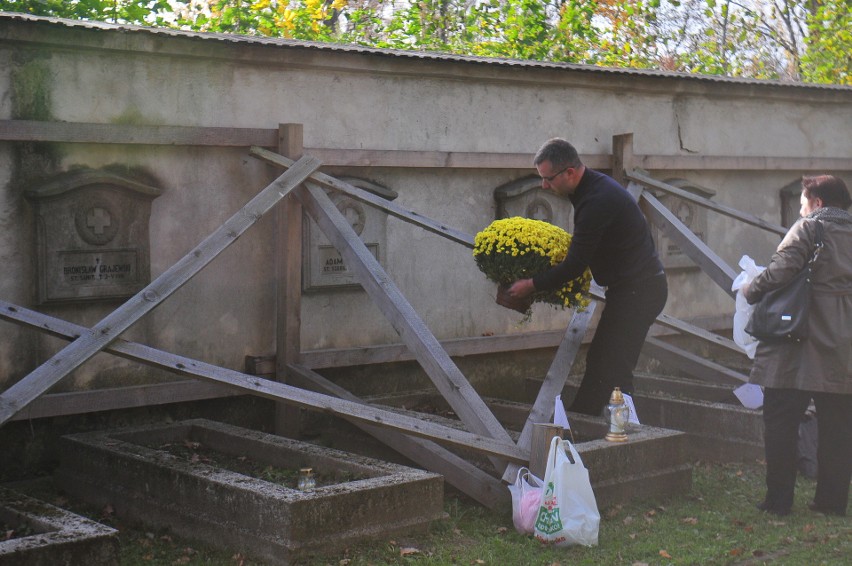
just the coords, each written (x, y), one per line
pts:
(514, 303)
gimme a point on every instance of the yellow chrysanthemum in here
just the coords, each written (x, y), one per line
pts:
(516, 248)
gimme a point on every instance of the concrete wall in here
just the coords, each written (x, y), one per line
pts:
(358, 99)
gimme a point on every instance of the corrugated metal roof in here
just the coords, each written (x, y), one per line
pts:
(423, 55)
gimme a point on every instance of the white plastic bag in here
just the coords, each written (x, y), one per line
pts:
(526, 499)
(743, 310)
(569, 512)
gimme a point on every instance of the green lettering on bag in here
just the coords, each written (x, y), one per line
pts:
(548, 520)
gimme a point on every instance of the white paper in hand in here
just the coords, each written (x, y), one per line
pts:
(560, 418)
(634, 418)
(750, 395)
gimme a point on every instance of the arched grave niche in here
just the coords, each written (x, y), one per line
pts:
(92, 236)
(691, 214)
(323, 268)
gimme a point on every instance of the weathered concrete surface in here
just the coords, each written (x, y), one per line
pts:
(719, 428)
(653, 463)
(362, 99)
(60, 538)
(230, 510)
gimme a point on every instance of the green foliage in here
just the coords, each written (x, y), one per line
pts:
(806, 40)
(828, 57)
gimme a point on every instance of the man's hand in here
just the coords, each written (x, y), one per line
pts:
(521, 288)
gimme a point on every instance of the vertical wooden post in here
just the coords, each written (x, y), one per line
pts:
(622, 157)
(542, 434)
(288, 283)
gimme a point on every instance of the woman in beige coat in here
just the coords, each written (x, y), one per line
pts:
(818, 368)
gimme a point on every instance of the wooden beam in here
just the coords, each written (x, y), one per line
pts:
(288, 283)
(457, 471)
(700, 333)
(622, 157)
(476, 345)
(137, 134)
(113, 398)
(90, 343)
(125, 134)
(692, 364)
(434, 360)
(371, 199)
(710, 263)
(254, 385)
(793, 164)
(554, 381)
(643, 179)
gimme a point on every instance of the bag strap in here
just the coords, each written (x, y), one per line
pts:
(818, 243)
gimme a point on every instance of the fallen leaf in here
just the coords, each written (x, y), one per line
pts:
(345, 562)
(501, 530)
(690, 520)
(478, 561)
(633, 536)
(808, 528)
(639, 564)
(627, 520)
(665, 554)
(735, 551)
(748, 529)
(408, 551)
(182, 560)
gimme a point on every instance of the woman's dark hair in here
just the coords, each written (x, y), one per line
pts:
(830, 189)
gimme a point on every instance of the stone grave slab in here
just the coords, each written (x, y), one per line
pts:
(189, 476)
(51, 536)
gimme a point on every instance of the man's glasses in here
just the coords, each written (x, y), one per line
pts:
(550, 179)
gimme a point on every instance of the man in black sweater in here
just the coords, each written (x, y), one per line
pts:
(612, 238)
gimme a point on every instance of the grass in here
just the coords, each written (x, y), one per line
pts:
(716, 523)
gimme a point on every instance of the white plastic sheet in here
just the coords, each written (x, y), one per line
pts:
(746, 341)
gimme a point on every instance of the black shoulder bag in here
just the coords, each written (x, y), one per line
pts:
(781, 315)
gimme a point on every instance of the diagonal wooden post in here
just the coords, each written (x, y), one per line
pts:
(96, 339)
(435, 361)
(554, 382)
(254, 385)
(457, 471)
(699, 252)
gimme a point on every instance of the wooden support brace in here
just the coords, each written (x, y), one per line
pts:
(369, 198)
(269, 389)
(94, 340)
(457, 471)
(640, 177)
(710, 263)
(434, 360)
(691, 363)
(554, 381)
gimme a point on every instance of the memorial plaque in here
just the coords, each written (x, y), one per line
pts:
(526, 198)
(322, 265)
(92, 239)
(691, 214)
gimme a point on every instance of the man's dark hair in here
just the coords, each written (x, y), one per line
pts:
(830, 189)
(559, 152)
